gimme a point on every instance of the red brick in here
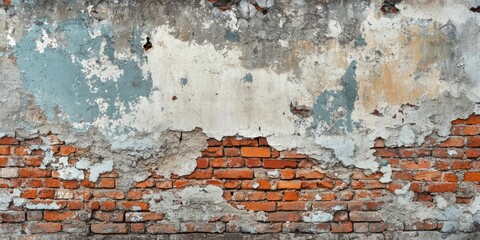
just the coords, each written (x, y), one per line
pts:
(415, 165)
(273, 163)
(428, 176)
(218, 163)
(236, 142)
(54, 216)
(135, 206)
(461, 164)
(108, 194)
(107, 228)
(458, 121)
(259, 206)
(214, 143)
(234, 174)
(71, 184)
(34, 161)
(421, 226)
(201, 174)
(325, 184)
(180, 183)
(145, 184)
(8, 141)
(46, 193)
(42, 227)
(274, 196)
(292, 154)
(470, 130)
(442, 187)
(142, 216)
(257, 196)
(423, 197)
(21, 151)
(162, 229)
(407, 153)
(289, 206)
(377, 227)
(310, 184)
(202, 163)
(260, 184)
(108, 205)
(75, 205)
(343, 227)
(11, 216)
(253, 162)
(231, 152)
(34, 173)
(442, 165)
(262, 141)
(358, 216)
(472, 177)
(386, 152)
(287, 174)
(402, 176)
(473, 152)
(309, 174)
(453, 142)
(229, 184)
(284, 217)
(473, 120)
(289, 184)
(473, 141)
(116, 216)
(340, 216)
(461, 200)
(450, 177)
(137, 228)
(236, 162)
(212, 152)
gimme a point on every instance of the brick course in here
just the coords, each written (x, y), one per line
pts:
(285, 185)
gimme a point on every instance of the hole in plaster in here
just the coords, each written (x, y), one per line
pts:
(174, 98)
(223, 5)
(148, 44)
(475, 9)
(260, 9)
(388, 6)
(300, 111)
(377, 113)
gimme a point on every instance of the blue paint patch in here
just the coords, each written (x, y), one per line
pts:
(57, 81)
(326, 109)
(232, 36)
(360, 42)
(248, 78)
(183, 81)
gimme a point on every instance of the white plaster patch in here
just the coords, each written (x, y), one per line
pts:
(45, 41)
(71, 173)
(101, 67)
(335, 29)
(317, 216)
(99, 168)
(43, 206)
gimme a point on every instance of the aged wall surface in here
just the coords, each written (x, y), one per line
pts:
(240, 119)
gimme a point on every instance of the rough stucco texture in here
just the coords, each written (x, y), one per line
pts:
(240, 119)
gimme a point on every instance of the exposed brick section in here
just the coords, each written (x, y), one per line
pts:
(286, 188)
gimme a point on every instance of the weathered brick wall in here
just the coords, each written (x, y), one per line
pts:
(287, 191)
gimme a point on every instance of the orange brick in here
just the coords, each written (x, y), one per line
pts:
(402, 176)
(67, 150)
(111, 194)
(257, 196)
(473, 152)
(21, 150)
(260, 184)
(4, 150)
(290, 196)
(234, 174)
(453, 142)
(214, 142)
(261, 152)
(29, 194)
(212, 152)
(470, 130)
(180, 183)
(137, 227)
(75, 205)
(145, 184)
(54, 216)
(274, 196)
(386, 152)
(289, 184)
(441, 165)
(472, 177)
(287, 174)
(342, 227)
(413, 165)
(106, 183)
(310, 184)
(442, 187)
(262, 141)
